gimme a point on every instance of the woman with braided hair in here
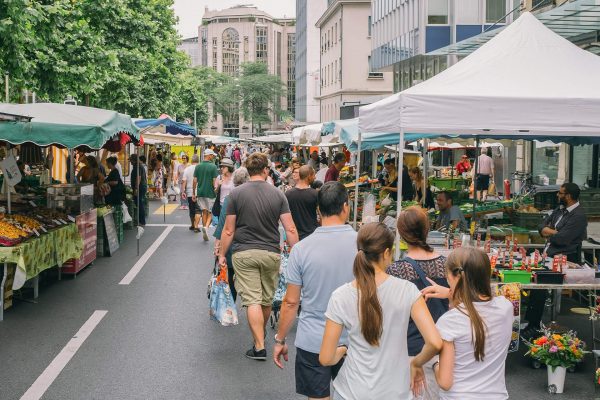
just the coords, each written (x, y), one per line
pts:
(375, 309)
(421, 266)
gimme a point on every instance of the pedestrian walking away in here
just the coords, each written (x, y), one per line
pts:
(139, 184)
(187, 191)
(205, 175)
(254, 211)
(311, 272)
(183, 205)
(377, 345)
(303, 202)
(476, 332)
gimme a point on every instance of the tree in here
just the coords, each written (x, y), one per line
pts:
(255, 92)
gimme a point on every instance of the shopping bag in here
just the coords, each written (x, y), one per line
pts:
(492, 189)
(126, 217)
(282, 286)
(222, 306)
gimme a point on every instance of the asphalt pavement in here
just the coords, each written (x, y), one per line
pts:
(156, 340)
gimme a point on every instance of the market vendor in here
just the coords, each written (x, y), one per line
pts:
(391, 182)
(464, 165)
(450, 216)
(564, 230)
(116, 195)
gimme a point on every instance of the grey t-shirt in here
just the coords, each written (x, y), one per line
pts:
(453, 214)
(375, 372)
(320, 263)
(257, 206)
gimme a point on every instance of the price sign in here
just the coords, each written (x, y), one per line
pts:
(36, 232)
(32, 204)
(71, 218)
(11, 170)
(62, 221)
(43, 229)
(57, 222)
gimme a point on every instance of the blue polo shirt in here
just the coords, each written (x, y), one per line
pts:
(320, 263)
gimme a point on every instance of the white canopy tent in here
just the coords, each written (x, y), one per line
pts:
(525, 83)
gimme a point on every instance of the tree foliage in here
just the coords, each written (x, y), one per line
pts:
(255, 91)
(115, 54)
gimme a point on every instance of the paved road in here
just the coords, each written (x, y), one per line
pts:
(156, 341)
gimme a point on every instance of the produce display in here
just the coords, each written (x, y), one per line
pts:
(15, 228)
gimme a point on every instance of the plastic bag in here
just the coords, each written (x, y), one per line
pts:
(369, 212)
(222, 306)
(282, 286)
(126, 217)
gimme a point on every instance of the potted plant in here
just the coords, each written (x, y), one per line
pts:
(558, 352)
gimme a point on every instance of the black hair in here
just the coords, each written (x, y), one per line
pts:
(389, 161)
(446, 195)
(572, 189)
(331, 198)
(143, 159)
(339, 157)
(111, 160)
(316, 185)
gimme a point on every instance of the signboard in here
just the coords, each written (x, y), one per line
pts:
(87, 225)
(111, 233)
(11, 170)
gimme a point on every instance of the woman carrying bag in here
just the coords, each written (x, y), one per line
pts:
(223, 185)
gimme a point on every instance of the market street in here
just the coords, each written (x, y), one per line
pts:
(156, 340)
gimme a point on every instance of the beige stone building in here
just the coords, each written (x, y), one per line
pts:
(241, 34)
(346, 80)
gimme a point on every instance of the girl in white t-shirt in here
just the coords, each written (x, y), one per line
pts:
(476, 332)
(375, 309)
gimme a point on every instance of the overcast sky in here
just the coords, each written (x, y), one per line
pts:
(190, 11)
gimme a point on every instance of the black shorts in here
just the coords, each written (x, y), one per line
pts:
(313, 379)
(483, 182)
(193, 207)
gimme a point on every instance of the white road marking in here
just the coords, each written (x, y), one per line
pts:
(43, 382)
(145, 257)
(173, 225)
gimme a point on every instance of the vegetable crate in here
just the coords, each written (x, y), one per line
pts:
(516, 276)
(528, 220)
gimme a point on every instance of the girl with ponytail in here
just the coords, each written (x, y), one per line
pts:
(476, 332)
(375, 309)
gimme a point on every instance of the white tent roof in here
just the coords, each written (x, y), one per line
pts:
(525, 81)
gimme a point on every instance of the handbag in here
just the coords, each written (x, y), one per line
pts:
(216, 208)
(221, 305)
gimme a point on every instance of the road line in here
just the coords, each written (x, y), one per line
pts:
(43, 382)
(167, 209)
(173, 225)
(145, 257)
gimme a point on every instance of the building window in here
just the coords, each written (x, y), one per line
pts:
(437, 12)
(495, 11)
(370, 22)
(291, 73)
(214, 53)
(279, 55)
(335, 33)
(231, 52)
(261, 44)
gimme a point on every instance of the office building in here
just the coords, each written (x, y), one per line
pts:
(190, 47)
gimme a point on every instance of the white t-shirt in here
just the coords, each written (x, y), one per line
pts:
(486, 165)
(478, 380)
(188, 177)
(120, 169)
(375, 372)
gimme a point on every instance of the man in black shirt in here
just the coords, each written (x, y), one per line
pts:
(303, 203)
(139, 184)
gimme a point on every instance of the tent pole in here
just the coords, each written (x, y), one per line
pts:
(399, 188)
(140, 201)
(357, 176)
(473, 216)
(425, 172)
(72, 166)
(374, 164)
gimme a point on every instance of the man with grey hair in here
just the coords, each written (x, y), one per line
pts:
(240, 176)
(187, 191)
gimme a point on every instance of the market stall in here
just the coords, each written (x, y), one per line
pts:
(43, 226)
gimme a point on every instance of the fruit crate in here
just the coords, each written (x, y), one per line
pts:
(546, 200)
(528, 220)
(515, 276)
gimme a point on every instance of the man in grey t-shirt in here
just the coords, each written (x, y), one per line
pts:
(317, 266)
(252, 229)
(450, 217)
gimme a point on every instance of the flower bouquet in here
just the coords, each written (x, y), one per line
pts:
(558, 352)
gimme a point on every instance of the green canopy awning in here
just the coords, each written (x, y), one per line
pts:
(65, 125)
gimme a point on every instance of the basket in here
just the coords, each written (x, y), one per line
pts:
(528, 220)
(515, 276)
(549, 277)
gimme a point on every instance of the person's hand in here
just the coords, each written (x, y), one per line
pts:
(435, 291)
(183, 195)
(222, 260)
(194, 198)
(547, 231)
(280, 350)
(217, 247)
(417, 379)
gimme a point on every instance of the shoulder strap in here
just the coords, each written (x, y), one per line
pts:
(418, 270)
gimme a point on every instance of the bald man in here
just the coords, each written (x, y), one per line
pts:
(303, 202)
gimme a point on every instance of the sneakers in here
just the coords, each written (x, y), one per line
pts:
(184, 208)
(204, 234)
(259, 355)
(191, 228)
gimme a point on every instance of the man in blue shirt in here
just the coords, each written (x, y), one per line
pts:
(317, 266)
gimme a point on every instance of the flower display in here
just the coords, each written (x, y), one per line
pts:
(558, 350)
(598, 376)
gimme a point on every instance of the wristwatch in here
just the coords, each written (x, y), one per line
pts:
(279, 341)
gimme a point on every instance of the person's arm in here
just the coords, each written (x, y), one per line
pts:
(194, 187)
(182, 188)
(331, 353)
(435, 291)
(290, 228)
(289, 310)
(444, 370)
(433, 343)
(226, 238)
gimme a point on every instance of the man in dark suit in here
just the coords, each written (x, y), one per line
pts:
(564, 230)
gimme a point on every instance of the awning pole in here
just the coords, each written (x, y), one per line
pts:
(374, 164)
(357, 176)
(425, 171)
(475, 200)
(399, 188)
(140, 201)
